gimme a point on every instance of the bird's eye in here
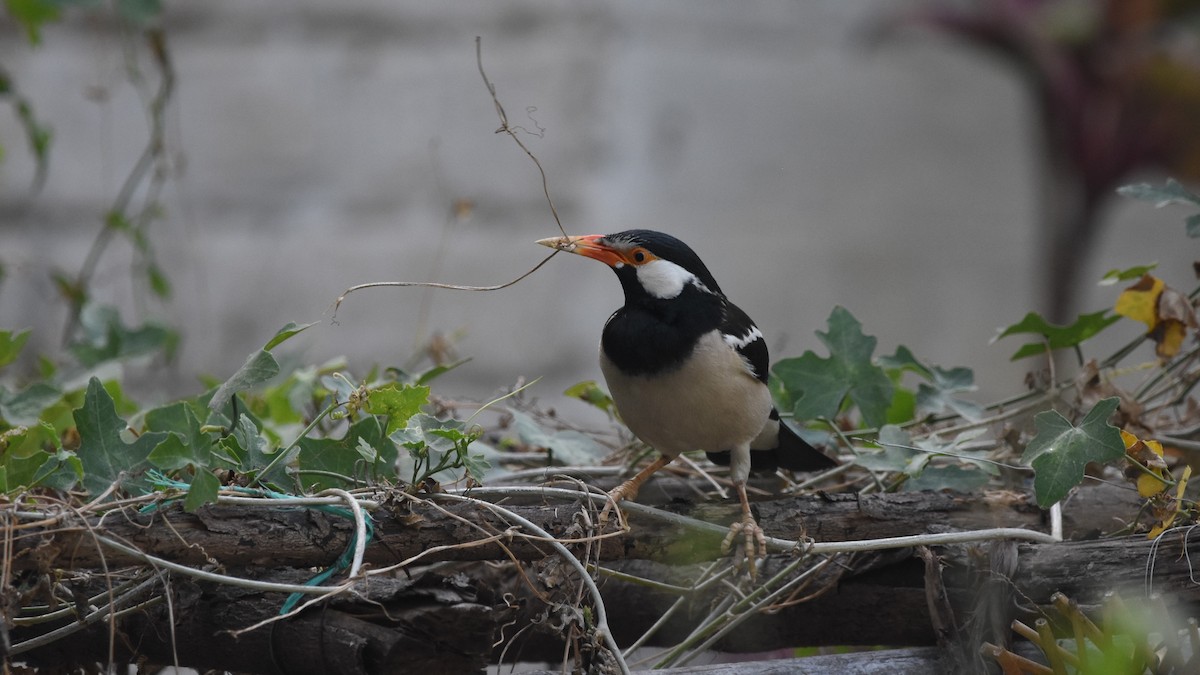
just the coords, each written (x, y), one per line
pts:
(639, 256)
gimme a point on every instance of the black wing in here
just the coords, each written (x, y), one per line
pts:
(740, 333)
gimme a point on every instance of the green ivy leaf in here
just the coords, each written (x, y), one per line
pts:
(426, 431)
(61, 471)
(941, 393)
(320, 457)
(1173, 192)
(477, 465)
(258, 368)
(1060, 451)
(342, 456)
(817, 387)
(203, 490)
(568, 446)
(1059, 337)
(286, 333)
(398, 401)
(103, 337)
(11, 345)
(102, 451)
(436, 371)
(26, 406)
(895, 454)
(1192, 223)
(904, 361)
(246, 445)
(367, 451)
(20, 471)
(1114, 276)
(592, 394)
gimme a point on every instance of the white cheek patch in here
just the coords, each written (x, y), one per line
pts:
(664, 279)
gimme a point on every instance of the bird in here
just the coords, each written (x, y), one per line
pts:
(687, 370)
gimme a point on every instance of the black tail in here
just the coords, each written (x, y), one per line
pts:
(796, 454)
(791, 452)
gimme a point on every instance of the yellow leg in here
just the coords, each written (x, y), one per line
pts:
(754, 542)
(629, 489)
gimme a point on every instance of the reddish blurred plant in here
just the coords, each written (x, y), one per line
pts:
(1117, 89)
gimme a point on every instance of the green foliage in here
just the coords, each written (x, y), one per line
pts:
(592, 394)
(31, 15)
(911, 458)
(306, 429)
(939, 392)
(398, 403)
(1136, 272)
(818, 387)
(435, 445)
(1173, 192)
(1057, 337)
(11, 345)
(259, 367)
(1060, 450)
(567, 447)
(813, 387)
(104, 337)
(106, 456)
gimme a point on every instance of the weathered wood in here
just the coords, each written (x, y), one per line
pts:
(872, 662)
(880, 600)
(238, 536)
(430, 623)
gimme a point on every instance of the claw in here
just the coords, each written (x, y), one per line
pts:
(629, 489)
(616, 496)
(754, 542)
(750, 549)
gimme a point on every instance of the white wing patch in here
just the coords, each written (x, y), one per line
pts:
(664, 279)
(739, 341)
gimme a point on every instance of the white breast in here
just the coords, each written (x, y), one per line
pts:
(711, 403)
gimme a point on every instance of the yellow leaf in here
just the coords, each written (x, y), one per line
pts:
(1179, 488)
(1140, 301)
(1149, 485)
(1129, 439)
(1169, 335)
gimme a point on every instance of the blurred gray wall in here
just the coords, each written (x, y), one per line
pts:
(321, 144)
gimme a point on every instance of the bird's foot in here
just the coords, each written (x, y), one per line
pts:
(751, 545)
(626, 490)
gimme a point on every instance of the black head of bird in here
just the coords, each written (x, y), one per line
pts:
(687, 369)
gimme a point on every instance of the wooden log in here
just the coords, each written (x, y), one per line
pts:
(241, 536)
(430, 623)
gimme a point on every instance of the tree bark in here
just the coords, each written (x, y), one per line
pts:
(446, 618)
(283, 536)
(431, 623)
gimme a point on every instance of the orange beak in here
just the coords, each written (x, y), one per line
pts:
(586, 245)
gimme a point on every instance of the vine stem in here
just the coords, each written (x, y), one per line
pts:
(783, 545)
(585, 578)
(283, 452)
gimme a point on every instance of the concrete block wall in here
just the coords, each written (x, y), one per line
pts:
(319, 145)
